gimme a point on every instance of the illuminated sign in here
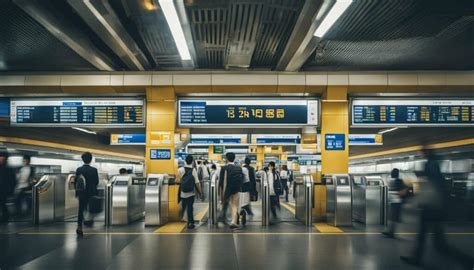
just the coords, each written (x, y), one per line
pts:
(412, 112)
(4, 107)
(279, 139)
(160, 154)
(365, 139)
(127, 139)
(335, 142)
(104, 112)
(218, 139)
(248, 112)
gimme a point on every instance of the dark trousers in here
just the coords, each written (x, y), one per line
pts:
(4, 209)
(284, 183)
(83, 202)
(431, 219)
(395, 213)
(23, 196)
(274, 204)
(188, 206)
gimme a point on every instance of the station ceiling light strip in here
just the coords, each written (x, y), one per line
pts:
(85, 130)
(334, 13)
(176, 29)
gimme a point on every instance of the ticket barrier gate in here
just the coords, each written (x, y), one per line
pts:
(265, 191)
(304, 198)
(156, 199)
(53, 199)
(338, 200)
(125, 200)
(213, 201)
(369, 200)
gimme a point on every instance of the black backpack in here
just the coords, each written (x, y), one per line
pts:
(277, 186)
(235, 178)
(187, 181)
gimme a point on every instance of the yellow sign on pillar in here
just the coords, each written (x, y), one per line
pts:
(335, 120)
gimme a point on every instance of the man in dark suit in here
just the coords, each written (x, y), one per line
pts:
(84, 194)
(7, 185)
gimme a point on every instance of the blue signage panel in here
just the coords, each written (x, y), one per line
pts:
(77, 112)
(278, 140)
(160, 154)
(365, 139)
(248, 112)
(124, 139)
(412, 112)
(4, 107)
(335, 142)
(216, 140)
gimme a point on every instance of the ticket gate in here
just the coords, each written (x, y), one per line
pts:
(368, 199)
(213, 201)
(338, 200)
(304, 198)
(265, 201)
(53, 199)
(156, 200)
(125, 200)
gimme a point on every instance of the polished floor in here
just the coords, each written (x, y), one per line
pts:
(285, 245)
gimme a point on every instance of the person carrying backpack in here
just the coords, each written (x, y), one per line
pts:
(276, 188)
(189, 182)
(230, 184)
(86, 182)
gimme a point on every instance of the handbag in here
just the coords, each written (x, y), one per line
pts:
(95, 204)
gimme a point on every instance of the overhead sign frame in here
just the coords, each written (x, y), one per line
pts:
(313, 107)
(77, 101)
(415, 101)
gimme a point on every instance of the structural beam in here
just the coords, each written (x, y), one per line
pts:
(66, 33)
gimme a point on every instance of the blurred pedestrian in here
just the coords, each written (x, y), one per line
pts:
(396, 194)
(87, 179)
(231, 179)
(123, 172)
(189, 185)
(24, 185)
(7, 185)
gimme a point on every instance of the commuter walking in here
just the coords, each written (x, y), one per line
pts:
(189, 183)
(24, 184)
(397, 194)
(204, 177)
(87, 179)
(276, 188)
(285, 178)
(7, 185)
(244, 197)
(434, 199)
(252, 185)
(231, 179)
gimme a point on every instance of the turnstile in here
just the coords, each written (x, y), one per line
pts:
(368, 199)
(338, 200)
(265, 191)
(303, 195)
(213, 200)
(156, 200)
(54, 199)
(125, 200)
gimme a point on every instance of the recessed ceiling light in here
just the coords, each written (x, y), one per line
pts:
(177, 32)
(336, 11)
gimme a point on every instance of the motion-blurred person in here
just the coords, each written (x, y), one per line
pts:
(123, 172)
(87, 180)
(276, 188)
(397, 194)
(433, 201)
(204, 176)
(252, 184)
(231, 179)
(244, 196)
(7, 185)
(189, 183)
(24, 184)
(285, 178)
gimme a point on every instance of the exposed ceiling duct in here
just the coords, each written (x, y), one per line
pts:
(100, 16)
(66, 32)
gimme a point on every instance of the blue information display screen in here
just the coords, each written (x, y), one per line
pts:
(160, 154)
(76, 112)
(248, 112)
(335, 142)
(124, 139)
(4, 107)
(392, 112)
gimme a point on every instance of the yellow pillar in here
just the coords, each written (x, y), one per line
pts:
(334, 120)
(160, 130)
(260, 156)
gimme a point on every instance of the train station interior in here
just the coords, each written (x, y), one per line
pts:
(236, 134)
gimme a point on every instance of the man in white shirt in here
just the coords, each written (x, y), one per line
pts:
(188, 173)
(23, 188)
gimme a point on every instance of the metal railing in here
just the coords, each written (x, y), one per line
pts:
(108, 204)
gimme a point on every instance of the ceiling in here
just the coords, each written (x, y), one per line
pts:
(58, 35)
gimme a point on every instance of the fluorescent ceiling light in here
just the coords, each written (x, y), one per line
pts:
(388, 130)
(85, 130)
(172, 18)
(336, 11)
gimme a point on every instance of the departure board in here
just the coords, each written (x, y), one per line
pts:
(248, 112)
(412, 112)
(77, 112)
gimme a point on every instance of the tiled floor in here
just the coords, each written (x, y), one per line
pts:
(286, 245)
